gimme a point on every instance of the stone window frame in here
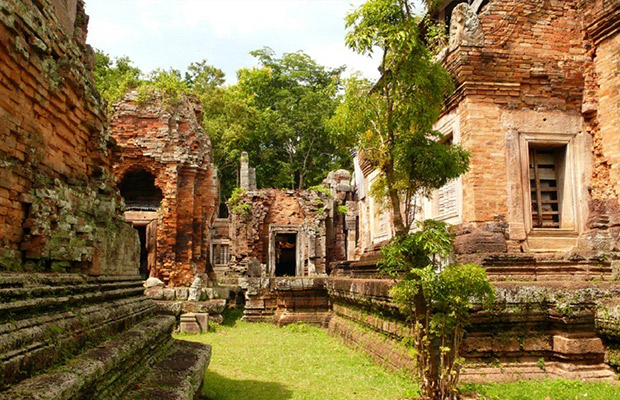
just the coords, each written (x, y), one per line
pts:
(449, 126)
(285, 229)
(215, 246)
(571, 219)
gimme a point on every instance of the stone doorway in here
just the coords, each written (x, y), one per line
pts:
(284, 251)
(142, 201)
(146, 225)
(286, 254)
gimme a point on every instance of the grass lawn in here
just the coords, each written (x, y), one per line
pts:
(264, 362)
(556, 389)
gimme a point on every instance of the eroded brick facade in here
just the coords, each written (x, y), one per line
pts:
(73, 310)
(59, 207)
(166, 143)
(536, 103)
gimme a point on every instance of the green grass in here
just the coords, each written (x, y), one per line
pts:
(548, 389)
(264, 362)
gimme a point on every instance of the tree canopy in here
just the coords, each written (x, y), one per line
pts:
(277, 112)
(295, 97)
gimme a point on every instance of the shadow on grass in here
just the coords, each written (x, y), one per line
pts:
(231, 316)
(218, 387)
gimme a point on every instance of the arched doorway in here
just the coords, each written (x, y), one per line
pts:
(142, 200)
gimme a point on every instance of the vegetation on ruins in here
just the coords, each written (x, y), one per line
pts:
(237, 206)
(391, 122)
(276, 112)
(437, 300)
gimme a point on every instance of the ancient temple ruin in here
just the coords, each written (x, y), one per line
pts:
(74, 322)
(163, 163)
(536, 103)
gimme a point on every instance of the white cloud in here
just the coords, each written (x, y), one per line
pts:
(335, 54)
(173, 33)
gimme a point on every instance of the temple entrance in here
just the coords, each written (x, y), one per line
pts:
(286, 254)
(284, 251)
(142, 201)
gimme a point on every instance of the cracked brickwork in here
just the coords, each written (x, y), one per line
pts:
(168, 142)
(59, 207)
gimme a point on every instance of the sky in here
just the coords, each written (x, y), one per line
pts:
(174, 33)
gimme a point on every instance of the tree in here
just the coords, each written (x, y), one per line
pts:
(437, 298)
(115, 77)
(295, 97)
(391, 122)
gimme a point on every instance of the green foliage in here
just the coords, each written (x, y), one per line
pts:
(322, 189)
(203, 78)
(293, 98)
(344, 210)
(115, 77)
(237, 206)
(436, 34)
(437, 299)
(541, 364)
(235, 196)
(169, 84)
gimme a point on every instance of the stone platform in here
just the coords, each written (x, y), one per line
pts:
(72, 336)
(536, 329)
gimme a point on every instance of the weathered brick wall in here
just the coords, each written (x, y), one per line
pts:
(59, 208)
(539, 69)
(249, 228)
(168, 141)
(600, 110)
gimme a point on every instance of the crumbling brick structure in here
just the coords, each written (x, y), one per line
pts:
(164, 166)
(73, 320)
(537, 105)
(281, 242)
(59, 209)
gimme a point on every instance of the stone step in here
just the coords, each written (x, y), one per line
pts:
(47, 318)
(178, 376)
(105, 371)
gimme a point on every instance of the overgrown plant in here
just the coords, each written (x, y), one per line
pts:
(437, 299)
(391, 120)
(237, 206)
(391, 123)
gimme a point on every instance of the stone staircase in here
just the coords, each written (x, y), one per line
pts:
(72, 336)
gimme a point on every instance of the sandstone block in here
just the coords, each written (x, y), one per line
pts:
(155, 293)
(203, 321)
(189, 324)
(169, 294)
(565, 345)
(181, 293)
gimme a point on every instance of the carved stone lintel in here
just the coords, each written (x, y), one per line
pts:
(465, 28)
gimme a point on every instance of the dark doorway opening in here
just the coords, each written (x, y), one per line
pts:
(139, 191)
(144, 262)
(286, 254)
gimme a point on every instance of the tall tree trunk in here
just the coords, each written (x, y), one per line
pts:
(397, 215)
(301, 181)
